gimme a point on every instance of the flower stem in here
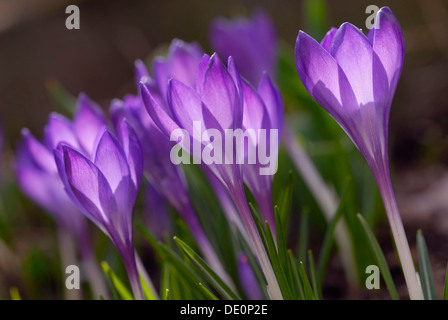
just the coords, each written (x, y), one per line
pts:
(239, 198)
(382, 177)
(131, 268)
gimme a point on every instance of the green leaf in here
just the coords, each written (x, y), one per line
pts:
(379, 257)
(61, 97)
(284, 203)
(216, 281)
(429, 291)
(149, 295)
(207, 292)
(309, 294)
(281, 246)
(116, 282)
(316, 17)
(279, 272)
(296, 277)
(167, 295)
(314, 278)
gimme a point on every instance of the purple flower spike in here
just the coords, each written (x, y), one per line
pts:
(105, 189)
(215, 104)
(354, 78)
(251, 42)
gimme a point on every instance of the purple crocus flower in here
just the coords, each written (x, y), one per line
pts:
(354, 78)
(37, 176)
(251, 42)
(161, 173)
(105, 186)
(248, 279)
(216, 102)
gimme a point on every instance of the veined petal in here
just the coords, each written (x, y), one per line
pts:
(323, 77)
(219, 93)
(388, 44)
(159, 115)
(255, 116)
(203, 65)
(353, 52)
(89, 186)
(88, 121)
(186, 105)
(328, 39)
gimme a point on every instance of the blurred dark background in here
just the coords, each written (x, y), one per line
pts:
(36, 49)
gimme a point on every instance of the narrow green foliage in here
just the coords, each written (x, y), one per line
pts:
(216, 281)
(303, 235)
(426, 277)
(116, 283)
(207, 292)
(445, 289)
(379, 258)
(314, 279)
(308, 290)
(284, 203)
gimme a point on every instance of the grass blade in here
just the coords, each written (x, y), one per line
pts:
(207, 292)
(314, 278)
(116, 283)
(429, 291)
(445, 290)
(379, 257)
(216, 281)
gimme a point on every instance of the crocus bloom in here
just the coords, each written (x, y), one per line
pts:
(354, 78)
(105, 188)
(215, 103)
(251, 42)
(37, 176)
(162, 174)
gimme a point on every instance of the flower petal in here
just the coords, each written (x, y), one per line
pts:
(38, 154)
(323, 78)
(388, 44)
(89, 186)
(59, 129)
(88, 121)
(353, 52)
(328, 39)
(219, 93)
(273, 102)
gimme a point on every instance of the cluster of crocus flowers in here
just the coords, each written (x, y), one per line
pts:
(354, 77)
(163, 176)
(216, 102)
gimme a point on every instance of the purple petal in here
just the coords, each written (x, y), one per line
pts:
(140, 71)
(89, 186)
(273, 102)
(219, 93)
(183, 60)
(202, 68)
(88, 122)
(185, 104)
(328, 39)
(323, 78)
(388, 44)
(353, 52)
(39, 155)
(134, 157)
(159, 115)
(59, 129)
(255, 116)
